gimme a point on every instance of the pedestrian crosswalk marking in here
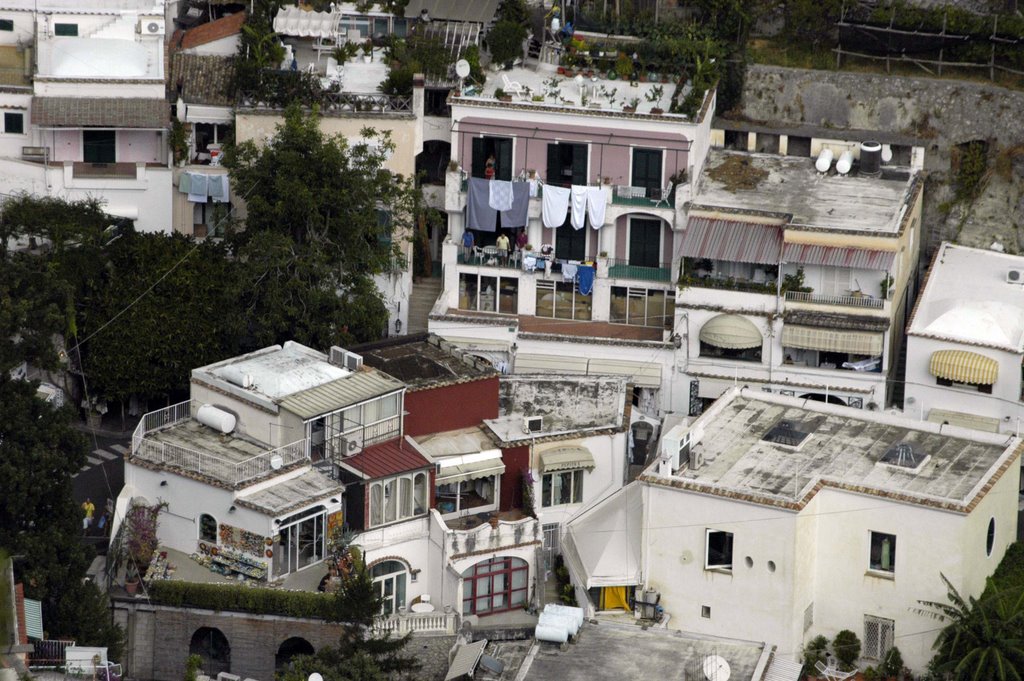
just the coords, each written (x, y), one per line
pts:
(120, 449)
(104, 454)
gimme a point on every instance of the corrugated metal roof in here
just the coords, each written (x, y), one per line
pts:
(857, 258)
(466, 658)
(340, 393)
(386, 458)
(34, 618)
(732, 241)
(782, 670)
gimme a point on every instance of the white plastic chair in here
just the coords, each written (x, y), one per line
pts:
(664, 195)
(512, 86)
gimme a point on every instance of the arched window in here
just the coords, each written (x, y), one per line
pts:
(212, 645)
(495, 585)
(290, 649)
(389, 579)
(207, 528)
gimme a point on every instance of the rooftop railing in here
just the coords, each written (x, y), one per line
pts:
(822, 299)
(620, 268)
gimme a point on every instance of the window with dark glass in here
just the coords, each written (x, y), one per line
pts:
(719, 550)
(14, 123)
(498, 147)
(65, 29)
(570, 244)
(883, 552)
(980, 387)
(647, 169)
(562, 300)
(565, 487)
(567, 164)
(207, 528)
(99, 146)
(6, 24)
(644, 242)
(642, 307)
(495, 585)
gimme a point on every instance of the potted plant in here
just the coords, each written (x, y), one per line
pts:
(630, 106)
(623, 66)
(138, 541)
(846, 648)
(654, 96)
(500, 95)
(368, 51)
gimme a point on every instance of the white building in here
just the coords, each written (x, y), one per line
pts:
(794, 280)
(965, 341)
(87, 116)
(778, 519)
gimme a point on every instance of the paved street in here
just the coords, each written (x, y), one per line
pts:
(101, 477)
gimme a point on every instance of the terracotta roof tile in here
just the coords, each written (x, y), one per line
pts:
(386, 458)
(101, 112)
(203, 79)
(214, 30)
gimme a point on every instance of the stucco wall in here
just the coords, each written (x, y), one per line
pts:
(451, 407)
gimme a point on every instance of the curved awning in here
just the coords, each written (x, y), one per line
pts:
(568, 458)
(963, 366)
(731, 332)
(469, 467)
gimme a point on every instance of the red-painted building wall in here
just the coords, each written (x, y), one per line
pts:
(517, 462)
(450, 407)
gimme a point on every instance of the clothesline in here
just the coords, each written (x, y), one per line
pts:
(489, 199)
(202, 187)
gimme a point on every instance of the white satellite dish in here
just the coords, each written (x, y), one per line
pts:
(276, 462)
(716, 668)
(462, 68)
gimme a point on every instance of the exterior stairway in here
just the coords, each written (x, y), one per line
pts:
(424, 294)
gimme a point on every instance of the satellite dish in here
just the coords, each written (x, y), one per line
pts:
(276, 462)
(716, 668)
(315, 676)
(462, 68)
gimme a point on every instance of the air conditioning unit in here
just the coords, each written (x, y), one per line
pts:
(696, 457)
(1015, 276)
(533, 424)
(151, 25)
(337, 356)
(353, 362)
(350, 445)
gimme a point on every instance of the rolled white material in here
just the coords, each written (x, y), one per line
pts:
(552, 634)
(575, 613)
(215, 418)
(844, 163)
(824, 160)
(557, 620)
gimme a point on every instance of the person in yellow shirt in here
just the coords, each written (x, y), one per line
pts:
(89, 508)
(502, 246)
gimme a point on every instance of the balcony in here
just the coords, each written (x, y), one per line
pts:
(487, 531)
(623, 195)
(170, 438)
(865, 302)
(402, 623)
(620, 268)
(123, 171)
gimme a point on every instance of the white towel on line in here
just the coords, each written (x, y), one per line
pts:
(597, 201)
(579, 205)
(569, 271)
(501, 195)
(554, 206)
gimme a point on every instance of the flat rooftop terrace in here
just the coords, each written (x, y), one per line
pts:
(609, 652)
(423, 361)
(837, 444)
(790, 184)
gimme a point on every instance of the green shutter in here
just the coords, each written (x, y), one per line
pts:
(479, 157)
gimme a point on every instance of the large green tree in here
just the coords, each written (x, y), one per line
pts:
(321, 213)
(983, 639)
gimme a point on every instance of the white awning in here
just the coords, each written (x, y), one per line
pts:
(568, 458)
(198, 113)
(295, 22)
(469, 467)
(732, 332)
(549, 364)
(602, 544)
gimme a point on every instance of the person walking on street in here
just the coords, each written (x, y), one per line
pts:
(89, 508)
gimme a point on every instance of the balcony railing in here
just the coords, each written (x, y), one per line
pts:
(400, 624)
(116, 170)
(620, 268)
(366, 103)
(487, 536)
(730, 284)
(821, 299)
(623, 195)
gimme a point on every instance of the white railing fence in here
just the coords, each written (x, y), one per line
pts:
(400, 624)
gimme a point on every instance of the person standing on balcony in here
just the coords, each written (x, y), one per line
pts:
(467, 245)
(502, 244)
(489, 168)
(521, 240)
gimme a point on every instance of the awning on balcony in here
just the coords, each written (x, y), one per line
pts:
(854, 258)
(832, 340)
(602, 545)
(470, 467)
(293, 21)
(544, 364)
(963, 366)
(732, 241)
(732, 332)
(567, 458)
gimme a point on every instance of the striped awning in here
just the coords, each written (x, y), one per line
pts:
(854, 258)
(732, 332)
(832, 340)
(568, 458)
(732, 241)
(963, 366)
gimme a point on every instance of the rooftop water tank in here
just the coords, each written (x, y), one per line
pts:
(215, 418)
(870, 159)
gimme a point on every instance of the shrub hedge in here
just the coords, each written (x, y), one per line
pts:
(241, 598)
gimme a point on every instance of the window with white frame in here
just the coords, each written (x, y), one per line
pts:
(719, 550)
(879, 634)
(488, 294)
(398, 498)
(882, 556)
(563, 300)
(563, 487)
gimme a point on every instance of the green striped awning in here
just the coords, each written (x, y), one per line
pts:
(34, 618)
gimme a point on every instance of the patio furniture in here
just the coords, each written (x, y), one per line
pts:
(490, 254)
(832, 673)
(664, 195)
(513, 87)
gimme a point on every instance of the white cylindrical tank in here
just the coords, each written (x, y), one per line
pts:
(824, 160)
(218, 419)
(575, 613)
(886, 153)
(559, 620)
(552, 634)
(844, 163)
